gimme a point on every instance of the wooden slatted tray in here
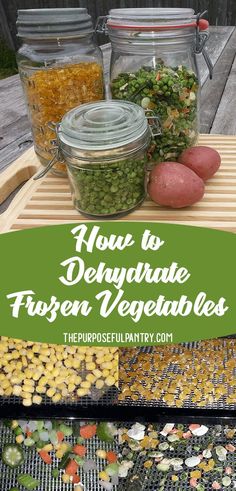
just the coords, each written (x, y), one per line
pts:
(48, 201)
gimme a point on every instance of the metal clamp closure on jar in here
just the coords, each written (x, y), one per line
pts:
(202, 37)
(185, 21)
(62, 151)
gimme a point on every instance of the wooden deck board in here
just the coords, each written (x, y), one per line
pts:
(225, 119)
(219, 38)
(213, 90)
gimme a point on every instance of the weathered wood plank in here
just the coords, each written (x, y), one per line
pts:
(231, 12)
(219, 37)
(225, 120)
(14, 122)
(15, 134)
(13, 130)
(213, 90)
(4, 27)
(12, 151)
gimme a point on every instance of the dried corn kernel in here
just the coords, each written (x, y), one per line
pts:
(37, 400)
(66, 478)
(56, 91)
(101, 454)
(20, 439)
(99, 384)
(104, 476)
(27, 402)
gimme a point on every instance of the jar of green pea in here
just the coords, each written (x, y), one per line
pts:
(104, 146)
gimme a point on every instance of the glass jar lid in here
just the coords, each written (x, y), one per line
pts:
(153, 26)
(151, 18)
(103, 126)
(53, 23)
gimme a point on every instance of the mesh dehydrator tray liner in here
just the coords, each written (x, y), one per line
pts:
(34, 466)
(107, 407)
(149, 479)
(84, 407)
(157, 410)
(91, 406)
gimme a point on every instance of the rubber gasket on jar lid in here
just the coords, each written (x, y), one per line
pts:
(152, 28)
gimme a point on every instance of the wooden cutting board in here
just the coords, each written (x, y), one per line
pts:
(48, 201)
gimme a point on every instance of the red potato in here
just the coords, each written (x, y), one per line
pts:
(204, 161)
(174, 185)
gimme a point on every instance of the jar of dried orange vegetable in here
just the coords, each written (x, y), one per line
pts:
(60, 66)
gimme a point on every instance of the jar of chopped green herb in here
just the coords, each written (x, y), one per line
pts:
(154, 64)
(104, 146)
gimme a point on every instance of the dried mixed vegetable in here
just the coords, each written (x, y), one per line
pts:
(171, 95)
(177, 457)
(170, 456)
(66, 448)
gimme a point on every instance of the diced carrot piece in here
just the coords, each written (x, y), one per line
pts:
(187, 435)
(88, 431)
(231, 448)
(80, 450)
(216, 485)
(111, 457)
(60, 436)
(76, 479)
(194, 427)
(45, 457)
(193, 482)
(72, 468)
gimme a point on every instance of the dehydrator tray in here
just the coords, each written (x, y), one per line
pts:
(180, 381)
(83, 408)
(159, 464)
(152, 391)
(45, 381)
(151, 457)
(34, 466)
